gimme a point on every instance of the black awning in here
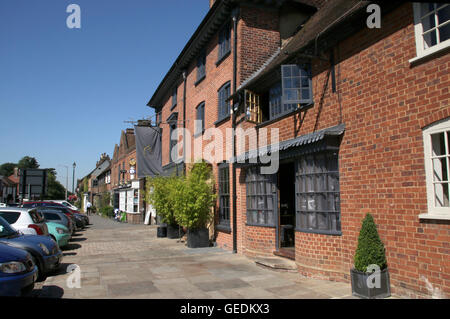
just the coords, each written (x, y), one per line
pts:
(326, 139)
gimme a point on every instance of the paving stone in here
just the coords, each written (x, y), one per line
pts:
(128, 261)
(217, 285)
(131, 288)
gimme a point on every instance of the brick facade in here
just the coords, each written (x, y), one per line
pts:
(384, 102)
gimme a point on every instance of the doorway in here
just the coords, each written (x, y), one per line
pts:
(286, 208)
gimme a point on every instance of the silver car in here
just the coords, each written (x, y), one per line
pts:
(26, 220)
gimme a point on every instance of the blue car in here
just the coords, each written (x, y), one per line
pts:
(17, 271)
(44, 251)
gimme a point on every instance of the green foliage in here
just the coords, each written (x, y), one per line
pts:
(370, 248)
(28, 162)
(160, 194)
(105, 200)
(7, 169)
(85, 185)
(107, 211)
(55, 189)
(194, 197)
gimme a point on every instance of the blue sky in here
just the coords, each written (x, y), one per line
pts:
(65, 93)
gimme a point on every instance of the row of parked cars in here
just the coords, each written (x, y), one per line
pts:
(31, 237)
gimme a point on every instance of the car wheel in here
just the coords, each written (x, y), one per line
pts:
(28, 289)
(40, 274)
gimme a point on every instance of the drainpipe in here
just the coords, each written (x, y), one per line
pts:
(233, 119)
(184, 121)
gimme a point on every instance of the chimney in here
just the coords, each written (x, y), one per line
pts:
(130, 131)
(144, 123)
(16, 172)
(211, 3)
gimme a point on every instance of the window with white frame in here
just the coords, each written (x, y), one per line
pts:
(431, 27)
(437, 168)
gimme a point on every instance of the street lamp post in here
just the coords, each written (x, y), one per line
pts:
(73, 178)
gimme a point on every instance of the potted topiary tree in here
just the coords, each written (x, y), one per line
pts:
(370, 276)
(194, 199)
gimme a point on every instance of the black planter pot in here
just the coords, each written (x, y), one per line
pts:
(198, 238)
(361, 289)
(161, 231)
(174, 231)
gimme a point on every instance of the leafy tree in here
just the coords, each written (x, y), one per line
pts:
(195, 197)
(28, 162)
(7, 169)
(55, 190)
(160, 194)
(370, 250)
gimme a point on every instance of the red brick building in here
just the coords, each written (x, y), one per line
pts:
(363, 118)
(127, 191)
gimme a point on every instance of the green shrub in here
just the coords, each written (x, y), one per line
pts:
(194, 197)
(105, 200)
(160, 194)
(370, 248)
(107, 211)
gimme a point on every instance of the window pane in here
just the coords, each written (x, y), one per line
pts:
(441, 195)
(428, 23)
(270, 203)
(261, 202)
(270, 218)
(322, 221)
(286, 70)
(444, 32)
(443, 14)
(448, 142)
(312, 221)
(303, 220)
(440, 169)
(311, 203)
(429, 39)
(309, 183)
(305, 94)
(333, 182)
(302, 202)
(261, 217)
(426, 8)
(321, 203)
(250, 217)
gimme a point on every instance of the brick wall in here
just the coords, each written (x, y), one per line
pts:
(258, 39)
(385, 103)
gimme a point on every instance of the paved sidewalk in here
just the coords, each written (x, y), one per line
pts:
(128, 261)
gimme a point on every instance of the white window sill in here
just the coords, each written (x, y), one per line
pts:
(435, 216)
(430, 52)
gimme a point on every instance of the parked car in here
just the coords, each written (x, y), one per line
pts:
(77, 220)
(44, 251)
(2, 205)
(53, 204)
(26, 220)
(56, 216)
(17, 271)
(67, 204)
(59, 233)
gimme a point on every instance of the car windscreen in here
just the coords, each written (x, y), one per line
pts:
(28, 205)
(51, 216)
(10, 217)
(5, 229)
(36, 217)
